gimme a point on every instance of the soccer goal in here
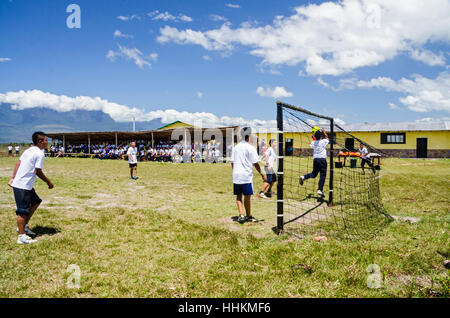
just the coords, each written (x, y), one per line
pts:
(351, 206)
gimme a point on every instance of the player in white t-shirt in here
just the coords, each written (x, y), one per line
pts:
(132, 160)
(269, 167)
(320, 159)
(27, 168)
(17, 150)
(365, 158)
(10, 148)
(244, 158)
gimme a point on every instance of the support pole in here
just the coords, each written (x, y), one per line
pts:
(330, 199)
(153, 146)
(116, 138)
(64, 145)
(89, 144)
(280, 207)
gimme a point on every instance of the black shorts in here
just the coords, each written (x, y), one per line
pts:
(245, 189)
(366, 160)
(271, 178)
(25, 199)
(132, 165)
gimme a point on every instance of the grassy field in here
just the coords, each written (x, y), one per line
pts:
(171, 234)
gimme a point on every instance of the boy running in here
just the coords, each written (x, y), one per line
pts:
(244, 158)
(27, 167)
(364, 154)
(320, 159)
(270, 157)
(132, 160)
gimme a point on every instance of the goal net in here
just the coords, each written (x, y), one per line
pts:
(351, 205)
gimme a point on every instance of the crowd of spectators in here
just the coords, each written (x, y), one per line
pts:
(163, 151)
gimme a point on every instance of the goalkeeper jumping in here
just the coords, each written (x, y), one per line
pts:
(319, 144)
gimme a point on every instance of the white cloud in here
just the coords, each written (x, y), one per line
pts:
(334, 38)
(4, 59)
(153, 57)
(234, 6)
(216, 17)
(132, 54)
(277, 92)
(420, 94)
(35, 98)
(185, 18)
(118, 34)
(428, 57)
(166, 16)
(129, 18)
(207, 58)
(323, 83)
(393, 106)
(199, 94)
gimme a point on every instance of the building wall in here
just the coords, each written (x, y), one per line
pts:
(438, 142)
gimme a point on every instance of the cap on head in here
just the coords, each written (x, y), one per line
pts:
(315, 129)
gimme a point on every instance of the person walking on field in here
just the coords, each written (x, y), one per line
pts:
(244, 157)
(319, 159)
(132, 160)
(28, 166)
(269, 167)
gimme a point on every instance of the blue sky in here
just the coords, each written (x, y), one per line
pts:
(359, 61)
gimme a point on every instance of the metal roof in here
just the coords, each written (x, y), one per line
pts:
(373, 127)
(399, 126)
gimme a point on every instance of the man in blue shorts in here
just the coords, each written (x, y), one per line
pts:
(27, 168)
(244, 158)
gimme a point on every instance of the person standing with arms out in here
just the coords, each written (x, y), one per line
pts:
(27, 168)
(319, 144)
(270, 157)
(244, 158)
(132, 160)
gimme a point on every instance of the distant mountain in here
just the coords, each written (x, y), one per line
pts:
(19, 125)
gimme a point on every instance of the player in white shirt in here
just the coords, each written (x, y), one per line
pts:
(132, 160)
(269, 167)
(10, 150)
(17, 150)
(24, 176)
(364, 154)
(320, 159)
(244, 158)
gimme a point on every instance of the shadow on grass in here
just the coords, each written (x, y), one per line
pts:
(236, 219)
(44, 230)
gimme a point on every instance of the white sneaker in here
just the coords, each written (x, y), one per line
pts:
(320, 193)
(25, 239)
(302, 178)
(27, 231)
(262, 195)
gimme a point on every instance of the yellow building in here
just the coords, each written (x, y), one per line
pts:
(405, 140)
